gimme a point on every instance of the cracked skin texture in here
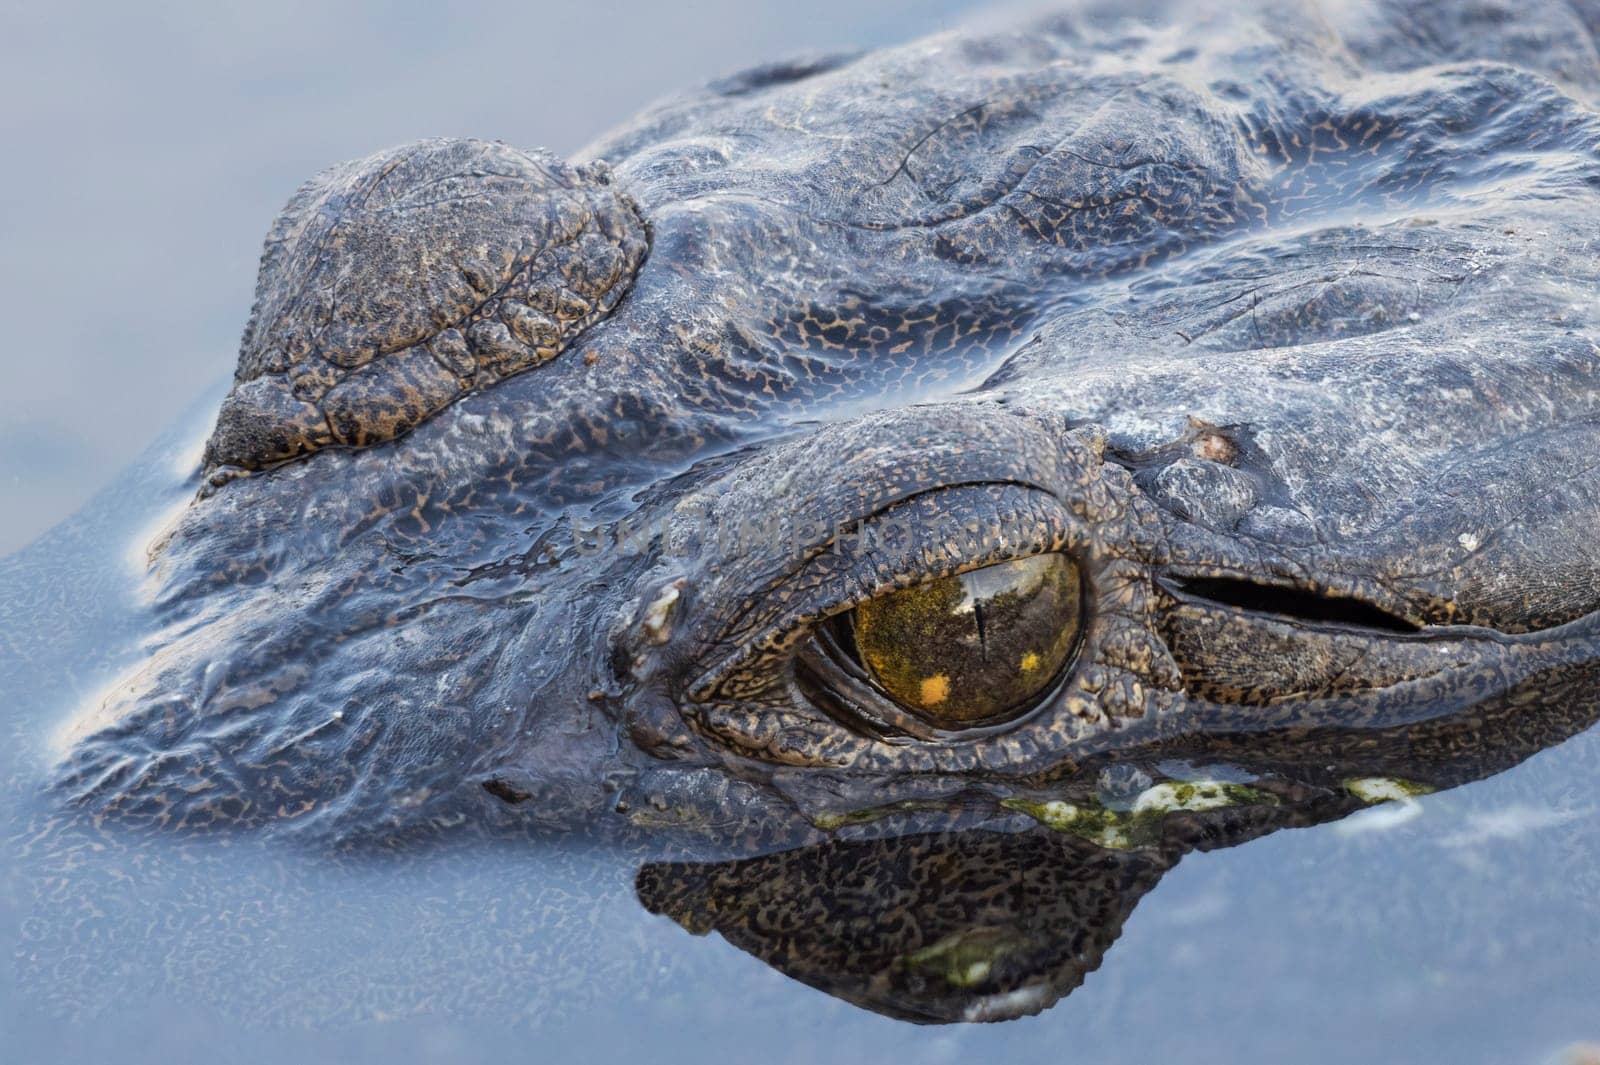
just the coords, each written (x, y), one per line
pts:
(392, 285)
(1280, 322)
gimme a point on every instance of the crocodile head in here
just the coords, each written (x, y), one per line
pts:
(889, 443)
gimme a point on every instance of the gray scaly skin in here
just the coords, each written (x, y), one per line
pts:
(392, 285)
(537, 481)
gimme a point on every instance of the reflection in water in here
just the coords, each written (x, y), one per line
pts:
(973, 926)
(990, 924)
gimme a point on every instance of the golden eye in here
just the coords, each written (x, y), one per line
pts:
(976, 647)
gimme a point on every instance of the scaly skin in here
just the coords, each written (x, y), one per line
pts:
(1282, 322)
(391, 286)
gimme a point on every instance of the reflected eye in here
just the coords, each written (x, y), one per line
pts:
(971, 649)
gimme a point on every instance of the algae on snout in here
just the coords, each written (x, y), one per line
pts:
(1140, 825)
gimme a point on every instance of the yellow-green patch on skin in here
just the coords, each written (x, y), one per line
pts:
(962, 959)
(658, 615)
(1093, 823)
(1373, 790)
(1115, 837)
(1141, 825)
(1196, 795)
(1052, 813)
(830, 821)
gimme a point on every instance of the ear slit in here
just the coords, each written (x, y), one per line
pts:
(1296, 603)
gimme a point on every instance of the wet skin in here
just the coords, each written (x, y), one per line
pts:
(653, 497)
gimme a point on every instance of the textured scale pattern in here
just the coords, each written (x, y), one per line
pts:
(1280, 320)
(393, 285)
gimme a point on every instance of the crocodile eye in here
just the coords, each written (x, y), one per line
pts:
(974, 648)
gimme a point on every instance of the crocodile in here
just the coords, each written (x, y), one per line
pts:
(949, 922)
(943, 456)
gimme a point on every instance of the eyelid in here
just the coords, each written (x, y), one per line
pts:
(948, 530)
